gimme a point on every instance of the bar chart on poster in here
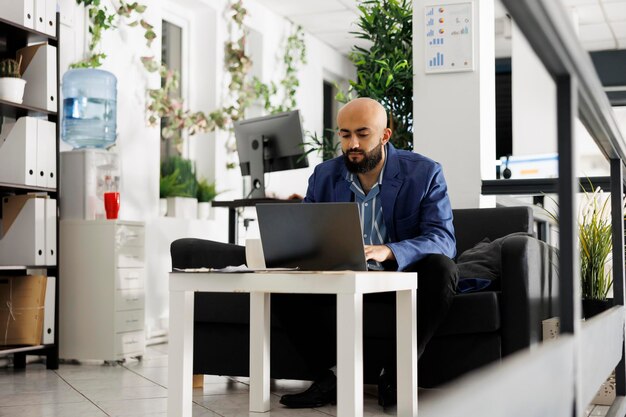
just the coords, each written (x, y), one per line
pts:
(449, 38)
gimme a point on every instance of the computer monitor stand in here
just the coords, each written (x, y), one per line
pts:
(257, 169)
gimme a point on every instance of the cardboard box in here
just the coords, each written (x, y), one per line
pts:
(22, 301)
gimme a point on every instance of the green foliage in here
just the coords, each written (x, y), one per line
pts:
(594, 234)
(100, 20)
(206, 192)
(169, 186)
(10, 68)
(294, 56)
(325, 146)
(238, 64)
(178, 178)
(596, 245)
(385, 71)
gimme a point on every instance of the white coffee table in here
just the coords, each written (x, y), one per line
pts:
(349, 287)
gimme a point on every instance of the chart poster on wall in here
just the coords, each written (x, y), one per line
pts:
(449, 38)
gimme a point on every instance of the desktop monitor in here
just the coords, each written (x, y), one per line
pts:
(267, 144)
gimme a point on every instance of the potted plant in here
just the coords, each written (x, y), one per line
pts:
(178, 185)
(595, 251)
(594, 234)
(11, 83)
(384, 71)
(206, 193)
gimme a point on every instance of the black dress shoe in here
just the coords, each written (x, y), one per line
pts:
(387, 391)
(320, 393)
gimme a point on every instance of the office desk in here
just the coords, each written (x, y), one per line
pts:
(349, 287)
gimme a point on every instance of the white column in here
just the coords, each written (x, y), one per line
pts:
(349, 355)
(406, 318)
(259, 352)
(180, 362)
(533, 100)
(454, 112)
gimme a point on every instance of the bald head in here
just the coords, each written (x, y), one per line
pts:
(363, 111)
(364, 133)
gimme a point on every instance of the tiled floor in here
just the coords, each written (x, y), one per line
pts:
(139, 388)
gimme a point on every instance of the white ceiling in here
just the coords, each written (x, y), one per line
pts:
(602, 23)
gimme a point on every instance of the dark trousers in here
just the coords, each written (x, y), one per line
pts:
(311, 321)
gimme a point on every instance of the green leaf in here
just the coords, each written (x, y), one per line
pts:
(389, 80)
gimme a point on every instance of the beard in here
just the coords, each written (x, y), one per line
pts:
(368, 163)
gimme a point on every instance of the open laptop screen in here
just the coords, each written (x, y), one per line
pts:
(312, 236)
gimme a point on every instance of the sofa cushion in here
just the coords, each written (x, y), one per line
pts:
(473, 225)
(482, 264)
(472, 313)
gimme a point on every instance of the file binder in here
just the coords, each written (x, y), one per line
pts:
(51, 231)
(46, 154)
(18, 152)
(39, 69)
(51, 17)
(22, 240)
(21, 12)
(47, 336)
(40, 16)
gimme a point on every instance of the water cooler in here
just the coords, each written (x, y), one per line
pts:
(86, 174)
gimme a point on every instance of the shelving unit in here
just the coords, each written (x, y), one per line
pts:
(13, 37)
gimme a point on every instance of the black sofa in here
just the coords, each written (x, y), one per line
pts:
(481, 327)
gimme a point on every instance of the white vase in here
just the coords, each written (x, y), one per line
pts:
(12, 89)
(162, 207)
(204, 210)
(182, 207)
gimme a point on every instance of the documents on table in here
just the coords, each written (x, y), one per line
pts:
(234, 269)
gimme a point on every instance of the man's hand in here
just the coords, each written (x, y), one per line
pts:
(379, 253)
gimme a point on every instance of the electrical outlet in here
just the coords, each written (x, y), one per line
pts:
(551, 328)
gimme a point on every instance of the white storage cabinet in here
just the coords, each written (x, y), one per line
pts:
(102, 290)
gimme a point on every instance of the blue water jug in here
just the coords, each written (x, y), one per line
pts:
(89, 108)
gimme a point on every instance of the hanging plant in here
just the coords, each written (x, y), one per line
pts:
(100, 20)
(163, 103)
(294, 56)
(385, 71)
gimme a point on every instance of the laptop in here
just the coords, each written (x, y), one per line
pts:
(312, 236)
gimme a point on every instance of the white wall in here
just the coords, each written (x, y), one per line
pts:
(455, 112)
(533, 95)
(138, 145)
(534, 112)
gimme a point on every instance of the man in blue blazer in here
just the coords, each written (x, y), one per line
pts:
(406, 219)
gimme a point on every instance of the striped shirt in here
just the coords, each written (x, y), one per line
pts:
(371, 213)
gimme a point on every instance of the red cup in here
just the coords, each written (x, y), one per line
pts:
(112, 204)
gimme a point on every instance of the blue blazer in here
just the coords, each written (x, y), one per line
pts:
(414, 198)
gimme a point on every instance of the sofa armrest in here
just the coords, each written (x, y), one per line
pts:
(530, 291)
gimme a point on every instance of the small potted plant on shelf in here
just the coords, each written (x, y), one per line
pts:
(206, 193)
(11, 83)
(178, 185)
